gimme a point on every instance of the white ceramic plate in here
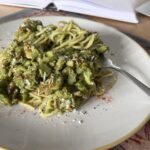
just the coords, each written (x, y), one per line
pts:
(104, 124)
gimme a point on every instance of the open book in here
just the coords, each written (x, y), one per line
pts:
(112, 9)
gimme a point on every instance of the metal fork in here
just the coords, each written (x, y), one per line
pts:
(108, 63)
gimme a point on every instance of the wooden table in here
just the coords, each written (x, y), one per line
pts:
(142, 29)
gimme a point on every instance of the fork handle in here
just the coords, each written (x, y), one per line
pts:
(142, 86)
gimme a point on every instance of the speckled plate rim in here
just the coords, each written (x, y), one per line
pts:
(107, 146)
(131, 133)
(139, 127)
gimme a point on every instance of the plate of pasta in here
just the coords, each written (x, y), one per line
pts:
(54, 91)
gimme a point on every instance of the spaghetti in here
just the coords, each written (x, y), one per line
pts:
(54, 68)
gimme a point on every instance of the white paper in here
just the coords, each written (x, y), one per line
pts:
(144, 8)
(112, 9)
(40, 4)
(137, 3)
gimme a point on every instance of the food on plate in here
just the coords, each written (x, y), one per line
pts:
(53, 68)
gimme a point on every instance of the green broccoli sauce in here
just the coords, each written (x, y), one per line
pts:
(54, 68)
